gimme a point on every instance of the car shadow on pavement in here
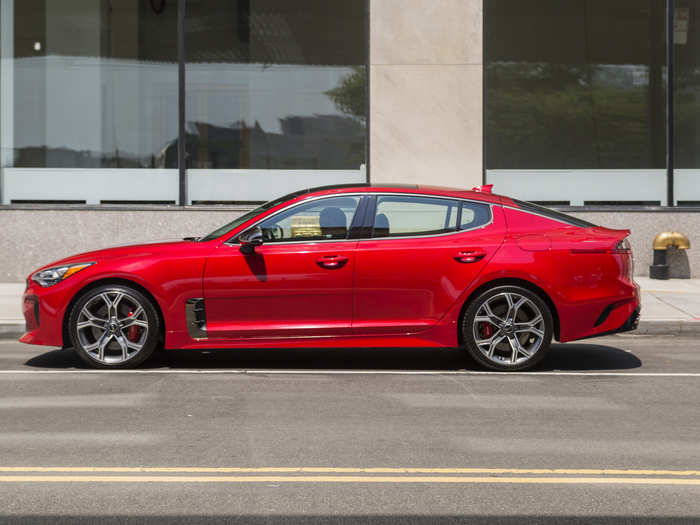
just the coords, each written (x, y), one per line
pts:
(564, 357)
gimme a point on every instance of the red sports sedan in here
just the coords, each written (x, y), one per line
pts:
(348, 266)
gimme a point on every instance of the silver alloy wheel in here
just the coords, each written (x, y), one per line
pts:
(112, 327)
(508, 328)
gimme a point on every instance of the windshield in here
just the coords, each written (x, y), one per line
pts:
(251, 214)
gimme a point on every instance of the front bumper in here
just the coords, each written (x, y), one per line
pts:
(43, 310)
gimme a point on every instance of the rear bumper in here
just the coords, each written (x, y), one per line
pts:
(618, 312)
(630, 324)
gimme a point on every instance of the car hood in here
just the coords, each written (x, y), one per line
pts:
(124, 251)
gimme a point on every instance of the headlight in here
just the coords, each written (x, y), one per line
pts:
(52, 276)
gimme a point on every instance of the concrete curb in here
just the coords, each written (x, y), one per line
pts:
(668, 328)
(14, 330)
(11, 330)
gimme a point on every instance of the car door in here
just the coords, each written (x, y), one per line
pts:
(298, 283)
(422, 254)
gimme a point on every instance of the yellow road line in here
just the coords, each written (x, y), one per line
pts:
(352, 479)
(360, 470)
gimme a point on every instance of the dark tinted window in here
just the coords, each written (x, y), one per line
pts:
(474, 214)
(576, 84)
(94, 85)
(398, 216)
(275, 84)
(551, 214)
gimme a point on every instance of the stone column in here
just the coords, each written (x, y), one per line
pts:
(426, 92)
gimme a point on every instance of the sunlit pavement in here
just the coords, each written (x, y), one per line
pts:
(605, 429)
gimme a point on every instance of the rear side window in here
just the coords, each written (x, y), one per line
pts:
(400, 216)
(474, 215)
(551, 214)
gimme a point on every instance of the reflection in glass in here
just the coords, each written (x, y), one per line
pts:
(687, 102)
(274, 84)
(323, 219)
(687, 85)
(575, 84)
(401, 216)
(95, 83)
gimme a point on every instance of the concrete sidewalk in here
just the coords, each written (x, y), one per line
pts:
(668, 307)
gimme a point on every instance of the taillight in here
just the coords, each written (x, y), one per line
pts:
(623, 246)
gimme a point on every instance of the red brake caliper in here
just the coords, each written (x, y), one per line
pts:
(486, 330)
(133, 332)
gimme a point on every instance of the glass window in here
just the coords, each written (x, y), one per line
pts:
(88, 87)
(474, 214)
(275, 91)
(398, 216)
(687, 102)
(274, 84)
(319, 220)
(95, 84)
(575, 100)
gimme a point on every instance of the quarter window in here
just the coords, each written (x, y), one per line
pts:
(319, 220)
(474, 214)
(398, 216)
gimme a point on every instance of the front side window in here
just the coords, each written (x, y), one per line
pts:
(319, 220)
(399, 216)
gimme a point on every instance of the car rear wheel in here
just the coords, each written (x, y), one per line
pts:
(507, 328)
(114, 326)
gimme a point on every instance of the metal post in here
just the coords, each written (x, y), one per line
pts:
(7, 80)
(670, 117)
(181, 145)
(368, 42)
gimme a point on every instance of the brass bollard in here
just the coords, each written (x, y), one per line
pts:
(662, 242)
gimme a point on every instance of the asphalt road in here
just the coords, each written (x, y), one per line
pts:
(605, 431)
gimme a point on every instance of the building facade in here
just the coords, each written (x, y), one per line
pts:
(132, 120)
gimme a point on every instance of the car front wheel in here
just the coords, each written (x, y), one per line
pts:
(114, 326)
(507, 328)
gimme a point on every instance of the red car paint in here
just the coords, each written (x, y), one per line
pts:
(361, 292)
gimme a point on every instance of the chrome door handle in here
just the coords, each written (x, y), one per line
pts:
(469, 256)
(332, 262)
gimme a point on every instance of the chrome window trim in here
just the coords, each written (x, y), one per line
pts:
(230, 242)
(429, 235)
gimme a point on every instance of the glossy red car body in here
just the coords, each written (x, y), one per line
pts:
(390, 292)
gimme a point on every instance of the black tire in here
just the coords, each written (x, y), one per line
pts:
(116, 339)
(499, 338)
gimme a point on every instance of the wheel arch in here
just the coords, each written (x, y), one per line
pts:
(107, 281)
(512, 281)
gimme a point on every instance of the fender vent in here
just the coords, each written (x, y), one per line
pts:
(196, 316)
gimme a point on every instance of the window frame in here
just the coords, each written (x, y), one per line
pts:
(362, 224)
(670, 142)
(181, 189)
(461, 208)
(370, 215)
(182, 155)
(355, 223)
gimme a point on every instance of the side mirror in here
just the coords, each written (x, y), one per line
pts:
(250, 239)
